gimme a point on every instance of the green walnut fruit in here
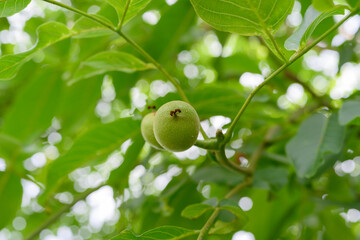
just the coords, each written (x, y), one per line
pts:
(176, 126)
(147, 130)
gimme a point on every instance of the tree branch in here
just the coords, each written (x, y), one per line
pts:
(92, 17)
(295, 57)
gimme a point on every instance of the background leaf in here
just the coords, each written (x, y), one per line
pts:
(349, 111)
(9, 146)
(311, 20)
(134, 8)
(323, 5)
(109, 61)
(271, 178)
(317, 137)
(10, 196)
(196, 210)
(35, 106)
(94, 144)
(240, 220)
(48, 33)
(245, 17)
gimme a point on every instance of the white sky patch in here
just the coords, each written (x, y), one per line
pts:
(347, 82)
(242, 235)
(64, 233)
(185, 57)
(229, 153)
(294, 19)
(2, 165)
(159, 88)
(327, 62)
(320, 83)
(16, 35)
(103, 108)
(192, 153)
(108, 93)
(138, 98)
(151, 17)
(353, 215)
(295, 94)
(245, 203)
(30, 191)
(338, 40)
(19, 223)
(163, 180)
(65, 197)
(213, 45)
(209, 129)
(103, 207)
(54, 138)
(348, 166)
(135, 184)
(191, 71)
(51, 152)
(283, 102)
(171, 2)
(251, 80)
(38, 159)
(219, 121)
(349, 28)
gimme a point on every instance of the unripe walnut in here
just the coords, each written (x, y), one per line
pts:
(176, 126)
(147, 130)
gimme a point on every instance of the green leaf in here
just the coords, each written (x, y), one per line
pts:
(210, 100)
(166, 38)
(317, 136)
(218, 175)
(335, 227)
(311, 20)
(10, 197)
(215, 100)
(109, 61)
(196, 210)
(9, 146)
(246, 17)
(4, 24)
(349, 111)
(34, 107)
(352, 3)
(238, 223)
(239, 63)
(163, 233)
(10, 7)
(78, 103)
(89, 29)
(323, 5)
(271, 178)
(94, 144)
(134, 8)
(274, 211)
(48, 33)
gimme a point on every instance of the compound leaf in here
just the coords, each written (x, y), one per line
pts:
(247, 17)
